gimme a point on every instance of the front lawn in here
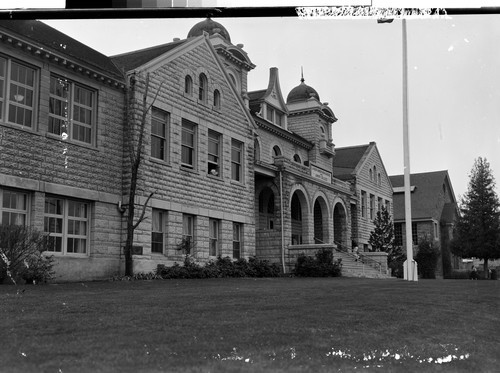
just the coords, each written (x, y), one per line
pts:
(252, 325)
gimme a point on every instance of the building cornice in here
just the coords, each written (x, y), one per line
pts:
(63, 61)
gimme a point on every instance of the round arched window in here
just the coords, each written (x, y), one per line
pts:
(276, 151)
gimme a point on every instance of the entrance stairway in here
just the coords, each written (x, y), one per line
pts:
(361, 267)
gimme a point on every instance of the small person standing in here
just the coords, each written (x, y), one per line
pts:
(473, 273)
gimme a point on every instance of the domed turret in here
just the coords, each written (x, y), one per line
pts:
(302, 92)
(211, 27)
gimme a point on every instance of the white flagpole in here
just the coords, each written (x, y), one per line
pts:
(410, 276)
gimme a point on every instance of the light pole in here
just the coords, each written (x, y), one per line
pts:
(410, 267)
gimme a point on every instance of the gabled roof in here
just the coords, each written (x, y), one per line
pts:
(424, 198)
(271, 95)
(131, 60)
(54, 41)
(347, 159)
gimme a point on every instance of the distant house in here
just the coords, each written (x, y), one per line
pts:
(363, 168)
(433, 210)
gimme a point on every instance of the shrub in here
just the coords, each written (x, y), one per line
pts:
(322, 265)
(221, 267)
(21, 255)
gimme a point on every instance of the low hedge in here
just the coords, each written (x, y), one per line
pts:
(219, 268)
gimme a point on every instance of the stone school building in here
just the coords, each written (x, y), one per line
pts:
(232, 172)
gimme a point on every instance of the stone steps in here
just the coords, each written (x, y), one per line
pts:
(353, 268)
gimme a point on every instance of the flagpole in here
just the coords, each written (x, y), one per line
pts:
(410, 275)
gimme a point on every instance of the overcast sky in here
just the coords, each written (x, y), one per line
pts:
(356, 66)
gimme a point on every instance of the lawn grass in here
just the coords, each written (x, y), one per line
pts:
(252, 325)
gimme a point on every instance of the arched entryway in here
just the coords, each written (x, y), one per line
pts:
(266, 209)
(339, 225)
(298, 208)
(320, 212)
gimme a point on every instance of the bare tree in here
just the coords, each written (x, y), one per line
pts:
(135, 151)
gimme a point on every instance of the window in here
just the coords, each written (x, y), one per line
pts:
(67, 222)
(388, 206)
(372, 206)
(274, 116)
(71, 110)
(380, 204)
(13, 207)
(363, 204)
(236, 160)
(414, 233)
(276, 151)
(188, 144)
(159, 220)
(398, 234)
(214, 227)
(237, 237)
(323, 132)
(202, 88)
(371, 174)
(297, 159)
(188, 85)
(188, 228)
(435, 230)
(159, 134)
(217, 99)
(17, 92)
(379, 179)
(214, 141)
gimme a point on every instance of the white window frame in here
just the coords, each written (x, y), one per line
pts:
(188, 224)
(237, 164)
(214, 159)
(158, 230)
(67, 123)
(65, 222)
(237, 240)
(191, 129)
(6, 104)
(162, 118)
(214, 237)
(20, 214)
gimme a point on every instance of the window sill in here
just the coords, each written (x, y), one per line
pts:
(190, 170)
(238, 183)
(20, 128)
(71, 142)
(159, 161)
(217, 178)
(63, 255)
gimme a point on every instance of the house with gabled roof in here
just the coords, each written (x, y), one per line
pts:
(433, 213)
(363, 168)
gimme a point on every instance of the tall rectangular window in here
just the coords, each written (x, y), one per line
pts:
(237, 240)
(188, 154)
(159, 220)
(159, 134)
(72, 110)
(363, 204)
(13, 207)
(17, 92)
(372, 206)
(236, 160)
(398, 234)
(214, 226)
(67, 222)
(188, 228)
(214, 150)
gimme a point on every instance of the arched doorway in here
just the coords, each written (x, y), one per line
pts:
(320, 221)
(266, 209)
(339, 225)
(297, 218)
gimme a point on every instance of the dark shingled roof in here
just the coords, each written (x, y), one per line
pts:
(56, 42)
(346, 159)
(424, 199)
(131, 60)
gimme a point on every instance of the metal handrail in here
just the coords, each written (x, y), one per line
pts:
(363, 258)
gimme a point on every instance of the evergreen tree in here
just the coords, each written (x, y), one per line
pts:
(382, 237)
(477, 232)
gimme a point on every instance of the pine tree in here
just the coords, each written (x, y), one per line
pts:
(382, 237)
(477, 232)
